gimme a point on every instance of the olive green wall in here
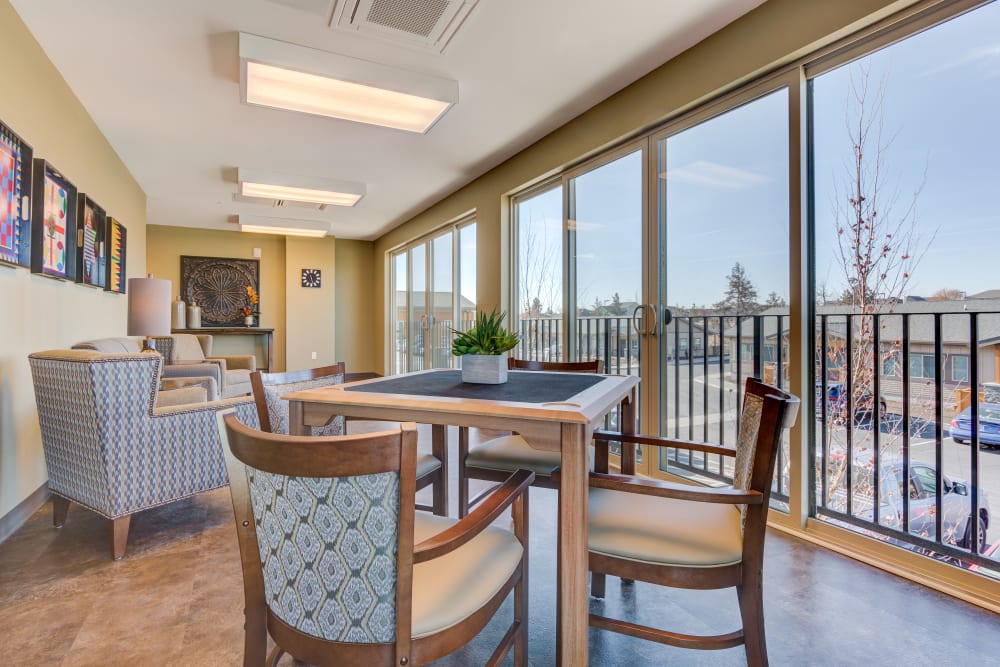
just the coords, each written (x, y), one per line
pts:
(309, 320)
(39, 313)
(355, 297)
(164, 248)
(776, 32)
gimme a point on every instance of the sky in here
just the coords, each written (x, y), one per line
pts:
(726, 186)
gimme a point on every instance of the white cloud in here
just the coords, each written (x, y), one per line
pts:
(975, 56)
(715, 175)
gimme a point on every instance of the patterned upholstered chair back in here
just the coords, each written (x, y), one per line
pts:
(268, 388)
(327, 525)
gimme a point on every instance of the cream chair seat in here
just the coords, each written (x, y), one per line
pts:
(449, 589)
(511, 452)
(665, 531)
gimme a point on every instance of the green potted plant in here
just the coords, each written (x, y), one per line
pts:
(483, 349)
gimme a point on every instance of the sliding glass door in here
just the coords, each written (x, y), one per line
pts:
(434, 291)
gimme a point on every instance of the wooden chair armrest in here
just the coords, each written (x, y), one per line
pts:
(658, 441)
(650, 487)
(476, 521)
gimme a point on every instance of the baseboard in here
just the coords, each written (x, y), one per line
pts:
(14, 519)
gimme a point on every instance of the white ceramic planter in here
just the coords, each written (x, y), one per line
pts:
(484, 368)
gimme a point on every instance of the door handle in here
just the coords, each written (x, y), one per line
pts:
(635, 323)
(650, 324)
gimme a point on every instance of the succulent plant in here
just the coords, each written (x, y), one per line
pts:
(487, 336)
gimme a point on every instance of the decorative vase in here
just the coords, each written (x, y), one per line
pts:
(178, 318)
(194, 316)
(484, 368)
(248, 320)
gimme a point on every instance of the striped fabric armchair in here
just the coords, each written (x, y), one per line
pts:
(109, 449)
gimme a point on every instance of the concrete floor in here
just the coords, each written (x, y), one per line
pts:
(176, 599)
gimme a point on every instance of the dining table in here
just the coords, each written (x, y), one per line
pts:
(551, 411)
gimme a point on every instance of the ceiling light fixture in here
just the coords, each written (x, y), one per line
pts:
(288, 76)
(312, 189)
(285, 226)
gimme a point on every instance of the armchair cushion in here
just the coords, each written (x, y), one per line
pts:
(186, 347)
(451, 588)
(665, 530)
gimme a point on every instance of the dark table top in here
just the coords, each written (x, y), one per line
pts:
(521, 386)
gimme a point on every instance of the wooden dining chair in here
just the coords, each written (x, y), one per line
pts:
(338, 568)
(694, 537)
(494, 459)
(268, 388)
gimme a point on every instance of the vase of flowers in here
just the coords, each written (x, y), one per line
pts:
(250, 310)
(483, 349)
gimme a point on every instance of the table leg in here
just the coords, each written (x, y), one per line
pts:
(439, 448)
(296, 418)
(571, 601)
(627, 417)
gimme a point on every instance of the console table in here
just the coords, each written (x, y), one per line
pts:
(259, 332)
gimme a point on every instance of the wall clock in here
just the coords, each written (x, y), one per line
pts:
(311, 277)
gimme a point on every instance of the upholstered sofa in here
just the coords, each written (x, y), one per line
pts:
(179, 384)
(107, 445)
(232, 373)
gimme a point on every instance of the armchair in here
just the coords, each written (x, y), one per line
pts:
(193, 356)
(694, 537)
(373, 582)
(106, 446)
(186, 384)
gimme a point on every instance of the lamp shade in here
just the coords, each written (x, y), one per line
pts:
(148, 307)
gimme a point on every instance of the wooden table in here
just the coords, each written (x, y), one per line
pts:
(564, 425)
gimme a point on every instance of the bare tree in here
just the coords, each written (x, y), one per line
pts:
(878, 248)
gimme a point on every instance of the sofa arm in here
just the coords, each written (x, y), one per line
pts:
(181, 396)
(205, 383)
(194, 369)
(238, 361)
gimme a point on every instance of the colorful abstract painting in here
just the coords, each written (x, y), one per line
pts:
(53, 223)
(15, 184)
(56, 215)
(116, 246)
(90, 259)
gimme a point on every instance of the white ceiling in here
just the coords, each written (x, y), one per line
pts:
(161, 80)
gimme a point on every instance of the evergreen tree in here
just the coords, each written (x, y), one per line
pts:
(741, 296)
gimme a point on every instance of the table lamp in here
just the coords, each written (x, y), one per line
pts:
(148, 309)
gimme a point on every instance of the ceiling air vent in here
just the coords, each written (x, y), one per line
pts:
(425, 24)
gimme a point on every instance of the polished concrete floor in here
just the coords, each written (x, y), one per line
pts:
(176, 599)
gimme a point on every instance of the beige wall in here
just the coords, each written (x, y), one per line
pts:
(309, 321)
(164, 248)
(38, 313)
(774, 33)
(355, 328)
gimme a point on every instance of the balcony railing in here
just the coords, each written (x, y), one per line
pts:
(873, 374)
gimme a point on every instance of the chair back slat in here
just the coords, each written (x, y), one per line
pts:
(268, 388)
(592, 366)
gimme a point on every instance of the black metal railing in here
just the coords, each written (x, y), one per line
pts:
(889, 390)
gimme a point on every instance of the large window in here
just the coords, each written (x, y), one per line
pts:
(905, 211)
(434, 291)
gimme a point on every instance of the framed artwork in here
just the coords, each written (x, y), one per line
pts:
(116, 247)
(15, 198)
(219, 286)
(91, 243)
(53, 223)
(312, 278)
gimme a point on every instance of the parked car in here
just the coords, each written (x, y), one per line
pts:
(989, 425)
(836, 403)
(956, 518)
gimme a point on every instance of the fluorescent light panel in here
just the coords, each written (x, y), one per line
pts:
(286, 226)
(317, 190)
(288, 76)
